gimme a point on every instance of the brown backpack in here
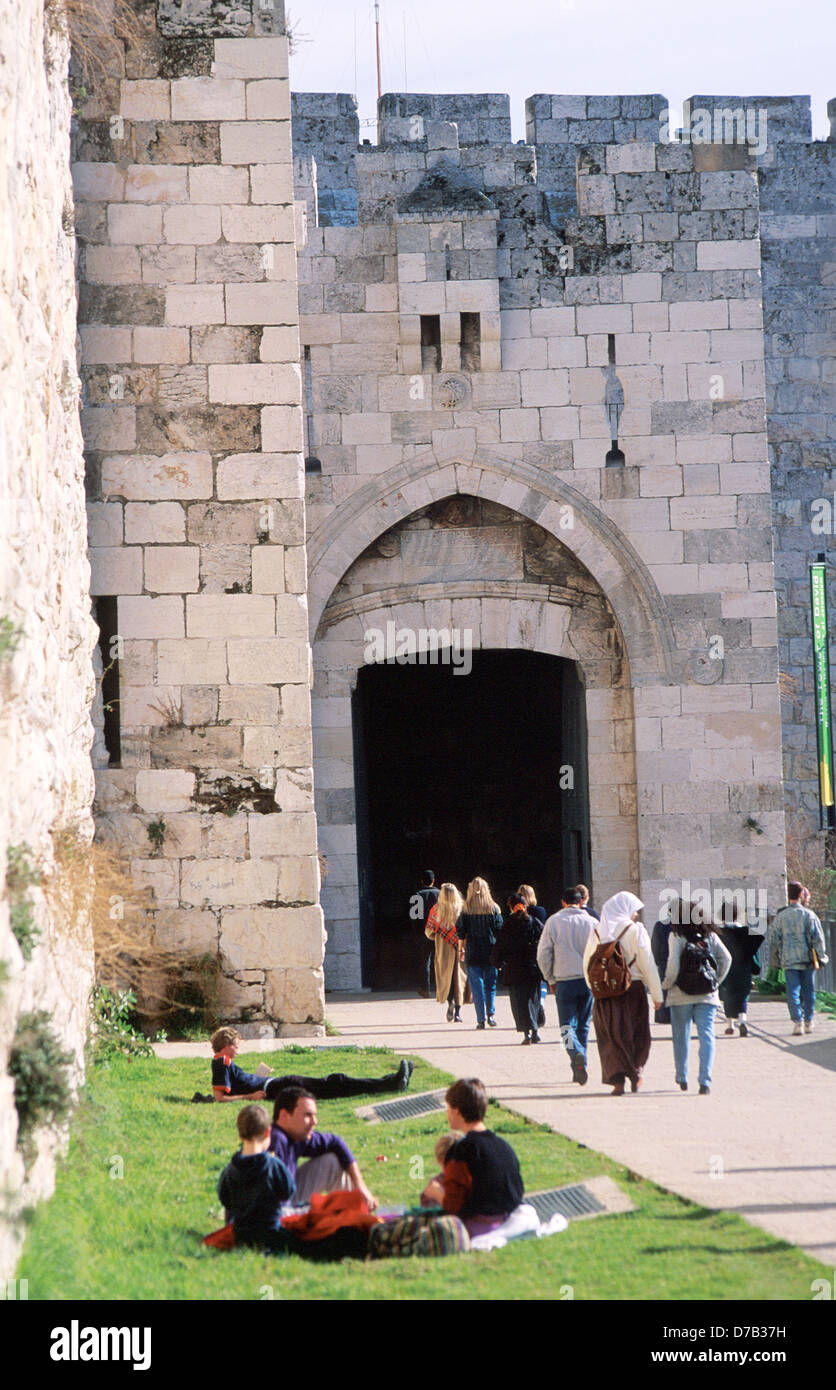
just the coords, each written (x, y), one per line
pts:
(608, 971)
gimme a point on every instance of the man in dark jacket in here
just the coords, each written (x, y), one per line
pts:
(420, 906)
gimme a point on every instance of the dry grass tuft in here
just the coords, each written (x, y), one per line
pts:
(98, 31)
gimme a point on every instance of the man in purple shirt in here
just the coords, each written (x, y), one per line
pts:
(330, 1163)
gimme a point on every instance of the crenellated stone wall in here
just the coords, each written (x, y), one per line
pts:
(46, 632)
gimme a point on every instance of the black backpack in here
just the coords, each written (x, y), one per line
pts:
(697, 968)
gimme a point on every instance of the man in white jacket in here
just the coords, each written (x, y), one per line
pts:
(560, 958)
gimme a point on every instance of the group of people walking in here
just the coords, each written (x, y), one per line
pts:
(602, 970)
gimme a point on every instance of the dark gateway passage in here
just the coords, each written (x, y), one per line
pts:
(479, 774)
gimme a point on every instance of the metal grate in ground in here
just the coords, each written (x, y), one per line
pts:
(596, 1197)
(404, 1108)
(571, 1202)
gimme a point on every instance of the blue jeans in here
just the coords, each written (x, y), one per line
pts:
(703, 1016)
(574, 1011)
(483, 988)
(801, 994)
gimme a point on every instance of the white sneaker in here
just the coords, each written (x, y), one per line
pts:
(808, 1027)
(796, 1030)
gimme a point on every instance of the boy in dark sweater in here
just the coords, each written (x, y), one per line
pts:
(254, 1184)
(481, 1181)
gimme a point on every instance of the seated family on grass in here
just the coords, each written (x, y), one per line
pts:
(324, 1208)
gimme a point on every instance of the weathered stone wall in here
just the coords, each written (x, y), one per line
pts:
(647, 298)
(193, 426)
(46, 676)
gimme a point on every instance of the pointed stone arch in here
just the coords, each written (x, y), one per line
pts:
(552, 618)
(538, 496)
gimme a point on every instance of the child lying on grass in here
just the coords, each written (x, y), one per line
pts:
(229, 1082)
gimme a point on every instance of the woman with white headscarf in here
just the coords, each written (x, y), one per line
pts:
(622, 1022)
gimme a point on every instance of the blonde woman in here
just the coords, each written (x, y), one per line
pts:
(478, 927)
(450, 979)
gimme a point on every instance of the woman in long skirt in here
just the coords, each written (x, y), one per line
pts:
(622, 1023)
(451, 985)
(515, 954)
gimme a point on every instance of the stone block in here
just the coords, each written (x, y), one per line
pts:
(195, 225)
(116, 570)
(111, 265)
(255, 383)
(109, 427)
(141, 478)
(172, 569)
(284, 834)
(271, 661)
(228, 882)
(208, 99)
(218, 185)
(95, 183)
(194, 304)
(253, 142)
(166, 265)
(168, 790)
(153, 345)
(244, 704)
(151, 617)
(268, 100)
(156, 183)
(108, 346)
(273, 938)
(191, 662)
(271, 183)
(296, 996)
(230, 615)
(260, 304)
(145, 100)
(604, 318)
(261, 57)
(256, 476)
(728, 255)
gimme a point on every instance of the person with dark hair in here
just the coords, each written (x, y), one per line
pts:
(584, 892)
(331, 1165)
(697, 964)
(255, 1184)
(797, 946)
(515, 955)
(741, 942)
(481, 1179)
(560, 959)
(676, 910)
(529, 897)
(420, 907)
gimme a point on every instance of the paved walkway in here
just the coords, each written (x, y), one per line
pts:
(762, 1144)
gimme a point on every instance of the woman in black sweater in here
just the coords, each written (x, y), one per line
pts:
(515, 953)
(478, 927)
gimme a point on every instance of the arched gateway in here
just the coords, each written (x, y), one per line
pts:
(429, 743)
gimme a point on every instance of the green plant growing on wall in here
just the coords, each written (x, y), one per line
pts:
(38, 1066)
(156, 833)
(21, 875)
(10, 637)
(113, 1033)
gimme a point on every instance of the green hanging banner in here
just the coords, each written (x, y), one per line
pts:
(821, 665)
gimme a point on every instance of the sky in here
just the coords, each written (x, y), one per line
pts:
(728, 47)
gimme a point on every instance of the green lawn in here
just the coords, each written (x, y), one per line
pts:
(137, 1236)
